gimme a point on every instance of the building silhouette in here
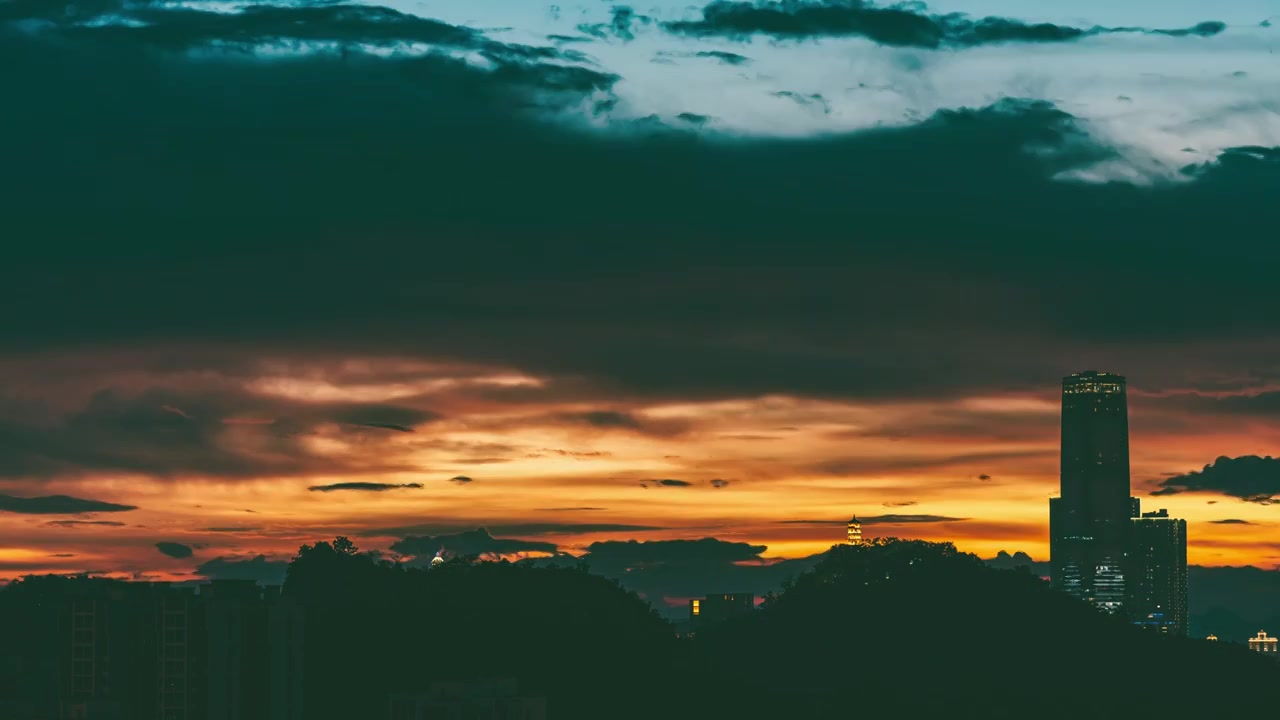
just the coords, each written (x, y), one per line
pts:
(111, 650)
(127, 650)
(855, 532)
(1089, 521)
(1156, 573)
(1264, 644)
(493, 700)
(182, 656)
(713, 609)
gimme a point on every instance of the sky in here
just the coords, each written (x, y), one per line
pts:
(587, 273)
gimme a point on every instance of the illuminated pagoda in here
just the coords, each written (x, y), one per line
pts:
(1264, 644)
(855, 532)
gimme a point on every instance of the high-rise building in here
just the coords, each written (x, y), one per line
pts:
(1264, 644)
(1156, 573)
(855, 532)
(180, 619)
(493, 699)
(127, 650)
(239, 653)
(286, 626)
(1089, 521)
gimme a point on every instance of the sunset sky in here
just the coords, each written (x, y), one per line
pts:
(587, 272)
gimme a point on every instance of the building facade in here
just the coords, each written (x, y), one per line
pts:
(128, 652)
(1156, 574)
(1089, 521)
(713, 609)
(99, 649)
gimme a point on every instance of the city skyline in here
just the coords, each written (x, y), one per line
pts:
(589, 273)
(385, 359)
(790, 531)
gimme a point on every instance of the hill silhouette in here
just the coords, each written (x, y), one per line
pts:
(893, 628)
(916, 629)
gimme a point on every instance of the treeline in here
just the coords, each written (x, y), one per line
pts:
(902, 629)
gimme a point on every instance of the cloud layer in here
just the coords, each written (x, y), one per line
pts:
(837, 272)
(902, 25)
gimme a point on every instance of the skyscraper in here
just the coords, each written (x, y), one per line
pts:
(1089, 521)
(1156, 573)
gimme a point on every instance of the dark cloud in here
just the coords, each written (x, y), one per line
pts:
(231, 529)
(824, 233)
(58, 505)
(814, 99)
(386, 426)
(907, 519)
(881, 520)
(667, 482)
(1249, 478)
(1231, 521)
(174, 550)
(724, 58)
(719, 483)
(1005, 561)
(481, 461)
(288, 25)
(603, 419)
(470, 542)
(572, 509)
(1263, 404)
(858, 465)
(384, 417)
(620, 25)
(902, 503)
(984, 477)
(905, 25)
(727, 58)
(569, 528)
(615, 420)
(365, 487)
(447, 529)
(212, 431)
(258, 569)
(578, 454)
(79, 523)
(63, 555)
(693, 118)
(964, 425)
(460, 479)
(1232, 602)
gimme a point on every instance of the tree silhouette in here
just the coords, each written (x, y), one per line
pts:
(892, 628)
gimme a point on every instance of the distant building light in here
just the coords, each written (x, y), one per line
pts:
(855, 532)
(1264, 644)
